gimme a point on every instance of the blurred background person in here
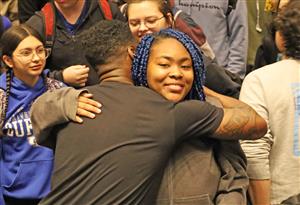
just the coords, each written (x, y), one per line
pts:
(25, 167)
(274, 92)
(27, 8)
(225, 25)
(267, 52)
(70, 18)
(9, 8)
(4, 25)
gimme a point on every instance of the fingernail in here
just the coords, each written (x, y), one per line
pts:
(99, 105)
(80, 120)
(92, 115)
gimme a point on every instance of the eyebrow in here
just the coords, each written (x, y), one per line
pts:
(137, 19)
(29, 48)
(170, 58)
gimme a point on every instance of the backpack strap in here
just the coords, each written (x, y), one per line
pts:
(231, 6)
(123, 9)
(104, 5)
(49, 19)
(49, 22)
(175, 13)
(184, 23)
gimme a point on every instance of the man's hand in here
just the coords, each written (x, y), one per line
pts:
(87, 107)
(76, 75)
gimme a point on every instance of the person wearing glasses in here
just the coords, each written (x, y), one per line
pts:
(24, 55)
(149, 16)
(165, 16)
(25, 167)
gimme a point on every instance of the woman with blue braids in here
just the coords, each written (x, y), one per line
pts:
(139, 68)
(170, 63)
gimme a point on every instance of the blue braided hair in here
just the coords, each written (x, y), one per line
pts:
(142, 52)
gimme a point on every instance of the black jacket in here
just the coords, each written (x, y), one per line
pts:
(221, 80)
(27, 8)
(67, 49)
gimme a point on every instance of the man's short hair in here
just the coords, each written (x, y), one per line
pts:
(106, 39)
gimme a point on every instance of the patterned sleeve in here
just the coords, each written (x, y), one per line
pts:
(53, 84)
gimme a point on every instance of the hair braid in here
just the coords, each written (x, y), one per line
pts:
(7, 93)
(139, 66)
(140, 61)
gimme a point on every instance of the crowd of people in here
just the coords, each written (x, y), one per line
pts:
(148, 102)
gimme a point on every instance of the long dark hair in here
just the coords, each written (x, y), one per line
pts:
(10, 40)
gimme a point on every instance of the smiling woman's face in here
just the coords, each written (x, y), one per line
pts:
(28, 59)
(170, 69)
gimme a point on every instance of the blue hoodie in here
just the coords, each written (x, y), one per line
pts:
(6, 22)
(25, 167)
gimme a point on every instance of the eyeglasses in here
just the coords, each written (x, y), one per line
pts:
(28, 53)
(149, 22)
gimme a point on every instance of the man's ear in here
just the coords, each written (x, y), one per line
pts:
(131, 51)
(7, 60)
